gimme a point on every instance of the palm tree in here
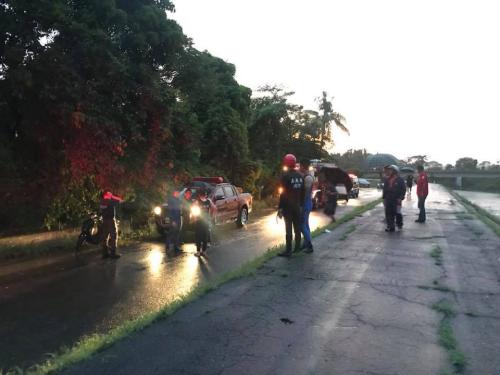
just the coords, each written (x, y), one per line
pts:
(329, 116)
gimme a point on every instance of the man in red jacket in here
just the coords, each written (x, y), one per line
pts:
(422, 192)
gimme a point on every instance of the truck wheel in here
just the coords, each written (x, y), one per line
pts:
(242, 217)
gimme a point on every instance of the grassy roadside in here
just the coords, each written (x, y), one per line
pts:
(447, 337)
(490, 220)
(90, 345)
(65, 244)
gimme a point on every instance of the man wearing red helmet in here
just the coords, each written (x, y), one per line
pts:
(109, 231)
(291, 203)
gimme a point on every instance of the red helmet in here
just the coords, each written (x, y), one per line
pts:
(289, 161)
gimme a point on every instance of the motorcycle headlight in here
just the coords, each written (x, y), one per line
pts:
(157, 210)
(195, 211)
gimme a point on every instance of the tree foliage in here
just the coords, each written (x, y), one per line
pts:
(113, 92)
(466, 163)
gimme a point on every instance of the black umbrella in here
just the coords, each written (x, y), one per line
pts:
(407, 169)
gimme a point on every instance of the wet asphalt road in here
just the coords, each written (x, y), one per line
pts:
(39, 314)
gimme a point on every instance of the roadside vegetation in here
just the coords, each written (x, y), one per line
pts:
(445, 307)
(447, 337)
(346, 234)
(115, 95)
(490, 220)
(90, 345)
(63, 243)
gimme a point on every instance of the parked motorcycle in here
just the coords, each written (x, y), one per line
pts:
(90, 232)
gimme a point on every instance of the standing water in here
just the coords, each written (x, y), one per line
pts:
(488, 201)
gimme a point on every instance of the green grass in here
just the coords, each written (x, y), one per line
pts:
(348, 216)
(446, 308)
(490, 220)
(65, 244)
(447, 337)
(54, 246)
(346, 234)
(437, 254)
(464, 216)
(89, 345)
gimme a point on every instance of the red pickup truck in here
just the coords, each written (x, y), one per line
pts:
(231, 204)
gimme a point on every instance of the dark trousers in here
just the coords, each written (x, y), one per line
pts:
(421, 206)
(109, 236)
(293, 220)
(399, 217)
(174, 234)
(390, 213)
(331, 205)
(202, 235)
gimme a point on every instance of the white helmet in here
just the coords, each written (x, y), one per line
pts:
(394, 167)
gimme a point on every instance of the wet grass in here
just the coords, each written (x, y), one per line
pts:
(90, 345)
(447, 337)
(64, 245)
(437, 255)
(464, 216)
(61, 245)
(348, 217)
(346, 234)
(486, 217)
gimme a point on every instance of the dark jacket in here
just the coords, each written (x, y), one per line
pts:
(394, 188)
(293, 193)
(108, 208)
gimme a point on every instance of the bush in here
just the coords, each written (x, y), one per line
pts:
(72, 205)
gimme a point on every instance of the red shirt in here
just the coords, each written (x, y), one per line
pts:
(422, 185)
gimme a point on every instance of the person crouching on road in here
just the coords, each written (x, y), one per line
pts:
(291, 203)
(109, 231)
(331, 200)
(394, 193)
(175, 216)
(308, 204)
(201, 210)
(422, 192)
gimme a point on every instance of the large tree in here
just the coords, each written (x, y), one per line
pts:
(466, 163)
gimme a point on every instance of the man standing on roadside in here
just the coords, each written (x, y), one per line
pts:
(175, 216)
(394, 193)
(422, 192)
(308, 185)
(109, 231)
(291, 203)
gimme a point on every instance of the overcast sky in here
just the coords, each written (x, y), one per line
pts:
(411, 77)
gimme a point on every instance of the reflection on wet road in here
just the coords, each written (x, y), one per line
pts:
(40, 314)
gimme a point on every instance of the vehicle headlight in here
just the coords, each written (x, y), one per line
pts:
(157, 210)
(195, 211)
